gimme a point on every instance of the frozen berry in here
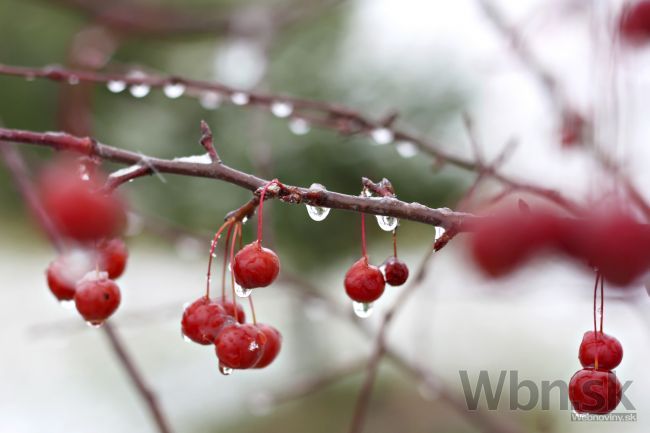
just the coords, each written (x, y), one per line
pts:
(272, 346)
(77, 207)
(396, 271)
(363, 282)
(240, 346)
(112, 256)
(634, 25)
(609, 349)
(66, 270)
(229, 307)
(96, 297)
(255, 266)
(203, 320)
(594, 391)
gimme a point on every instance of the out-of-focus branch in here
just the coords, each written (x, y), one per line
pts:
(198, 167)
(19, 173)
(325, 115)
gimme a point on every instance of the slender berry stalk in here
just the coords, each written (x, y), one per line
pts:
(364, 250)
(260, 217)
(225, 263)
(250, 302)
(213, 247)
(237, 232)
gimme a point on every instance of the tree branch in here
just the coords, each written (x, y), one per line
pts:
(205, 168)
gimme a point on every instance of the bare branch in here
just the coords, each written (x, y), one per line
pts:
(207, 142)
(289, 194)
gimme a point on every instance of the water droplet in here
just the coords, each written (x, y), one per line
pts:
(244, 220)
(382, 135)
(253, 346)
(210, 100)
(240, 98)
(214, 255)
(439, 232)
(387, 223)
(174, 90)
(186, 338)
(73, 80)
(406, 149)
(299, 126)
(116, 86)
(362, 310)
(241, 292)
(260, 404)
(317, 213)
(226, 371)
(281, 109)
(94, 324)
(67, 305)
(139, 90)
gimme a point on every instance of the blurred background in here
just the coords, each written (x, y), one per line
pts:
(431, 61)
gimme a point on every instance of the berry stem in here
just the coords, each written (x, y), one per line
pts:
(364, 251)
(225, 264)
(598, 278)
(213, 247)
(236, 233)
(395, 243)
(602, 303)
(250, 302)
(260, 218)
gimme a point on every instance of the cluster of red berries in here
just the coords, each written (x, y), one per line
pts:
(88, 218)
(365, 283)
(612, 242)
(238, 345)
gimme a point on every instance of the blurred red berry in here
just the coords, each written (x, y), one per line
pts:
(77, 207)
(395, 271)
(229, 307)
(634, 24)
(113, 255)
(65, 271)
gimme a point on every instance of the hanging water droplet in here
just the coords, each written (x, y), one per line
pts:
(317, 213)
(185, 305)
(67, 305)
(94, 324)
(241, 292)
(240, 98)
(244, 220)
(73, 80)
(387, 223)
(226, 371)
(439, 232)
(406, 149)
(210, 100)
(139, 90)
(299, 126)
(362, 310)
(281, 109)
(382, 135)
(116, 86)
(186, 338)
(174, 90)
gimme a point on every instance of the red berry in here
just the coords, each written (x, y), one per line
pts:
(229, 307)
(96, 297)
(255, 266)
(613, 242)
(66, 270)
(594, 391)
(272, 346)
(503, 242)
(634, 25)
(396, 271)
(240, 346)
(203, 320)
(112, 257)
(76, 206)
(609, 349)
(363, 282)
